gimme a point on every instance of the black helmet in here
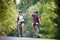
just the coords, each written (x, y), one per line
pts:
(36, 12)
(19, 11)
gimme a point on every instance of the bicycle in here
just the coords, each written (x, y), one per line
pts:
(20, 30)
(36, 30)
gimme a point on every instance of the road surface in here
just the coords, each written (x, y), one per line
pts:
(22, 38)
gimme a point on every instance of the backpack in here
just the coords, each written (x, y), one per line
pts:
(18, 19)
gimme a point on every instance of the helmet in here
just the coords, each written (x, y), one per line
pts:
(19, 11)
(36, 12)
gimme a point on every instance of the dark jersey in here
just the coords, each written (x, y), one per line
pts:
(35, 18)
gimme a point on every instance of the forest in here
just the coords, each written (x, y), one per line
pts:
(49, 10)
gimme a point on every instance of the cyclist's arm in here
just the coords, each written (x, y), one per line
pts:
(25, 14)
(39, 19)
(31, 14)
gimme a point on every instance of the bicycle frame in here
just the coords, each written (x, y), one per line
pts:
(36, 30)
(20, 30)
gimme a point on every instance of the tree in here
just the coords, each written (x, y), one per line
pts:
(7, 17)
(25, 4)
(57, 20)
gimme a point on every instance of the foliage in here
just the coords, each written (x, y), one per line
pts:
(57, 20)
(25, 4)
(47, 17)
(7, 17)
(48, 12)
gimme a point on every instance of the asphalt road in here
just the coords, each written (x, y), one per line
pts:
(22, 38)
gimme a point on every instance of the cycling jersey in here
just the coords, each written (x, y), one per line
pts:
(21, 18)
(35, 18)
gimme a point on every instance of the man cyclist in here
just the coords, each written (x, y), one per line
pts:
(36, 19)
(21, 20)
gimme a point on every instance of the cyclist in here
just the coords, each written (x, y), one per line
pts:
(36, 19)
(21, 20)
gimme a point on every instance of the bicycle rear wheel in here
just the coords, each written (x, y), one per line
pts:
(36, 31)
(20, 31)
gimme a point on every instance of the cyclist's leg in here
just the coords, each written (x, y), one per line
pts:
(22, 27)
(18, 32)
(33, 26)
(19, 29)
